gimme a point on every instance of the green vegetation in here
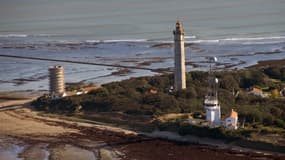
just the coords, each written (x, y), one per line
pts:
(133, 96)
(137, 102)
(255, 136)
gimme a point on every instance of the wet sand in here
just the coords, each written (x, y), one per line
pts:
(50, 138)
(18, 97)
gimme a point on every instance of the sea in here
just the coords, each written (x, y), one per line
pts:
(132, 33)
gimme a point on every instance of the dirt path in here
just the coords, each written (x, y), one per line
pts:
(21, 122)
(14, 98)
(14, 102)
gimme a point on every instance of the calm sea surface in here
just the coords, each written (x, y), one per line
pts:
(142, 19)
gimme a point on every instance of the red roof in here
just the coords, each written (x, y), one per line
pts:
(233, 114)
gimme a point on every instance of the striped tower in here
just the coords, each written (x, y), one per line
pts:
(56, 81)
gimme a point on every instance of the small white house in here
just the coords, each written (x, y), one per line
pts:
(257, 92)
(58, 96)
(232, 120)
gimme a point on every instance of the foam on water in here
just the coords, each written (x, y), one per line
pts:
(188, 39)
(13, 35)
(157, 53)
(254, 38)
(26, 35)
(242, 40)
(123, 40)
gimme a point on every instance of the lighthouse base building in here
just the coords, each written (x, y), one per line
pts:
(213, 111)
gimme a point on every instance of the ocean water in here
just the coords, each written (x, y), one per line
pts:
(144, 19)
(132, 33)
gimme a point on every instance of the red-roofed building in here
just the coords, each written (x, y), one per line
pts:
(153, 91)
(232, 120)
(258, 92)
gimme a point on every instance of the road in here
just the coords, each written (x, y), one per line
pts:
(2, 109)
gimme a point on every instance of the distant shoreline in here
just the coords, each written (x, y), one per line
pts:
(263, 63)
(277, 62)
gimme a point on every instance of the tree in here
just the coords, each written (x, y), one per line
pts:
(190, 92)
(228, 82)
(42, 103)
(199, 76)
(276, 111)
(250, 78)
(273, 72)
(268, 119)
(274, 93)
(279, 123)
(101, 92)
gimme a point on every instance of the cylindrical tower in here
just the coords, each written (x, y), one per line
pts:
(56, 81)
(211, 102)
(179, 55)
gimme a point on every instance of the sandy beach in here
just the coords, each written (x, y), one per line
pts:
(24, 134)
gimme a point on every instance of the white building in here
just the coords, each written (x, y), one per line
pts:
(213, 110)
(258, 92)
(231, 122)
(179, 60)
(211, 102)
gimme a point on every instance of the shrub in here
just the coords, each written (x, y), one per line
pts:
(279, 123)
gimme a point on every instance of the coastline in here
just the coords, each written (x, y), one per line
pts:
(120, 62)
(15, 98)
(51, 134)
(277, 62)
(100, 62)
(52, 142)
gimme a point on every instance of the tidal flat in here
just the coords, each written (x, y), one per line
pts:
(26, 135)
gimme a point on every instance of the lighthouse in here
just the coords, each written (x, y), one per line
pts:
(211, 103)
(179, 57)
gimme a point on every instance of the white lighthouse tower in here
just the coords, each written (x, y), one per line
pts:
(211, 103)
(179, 54)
